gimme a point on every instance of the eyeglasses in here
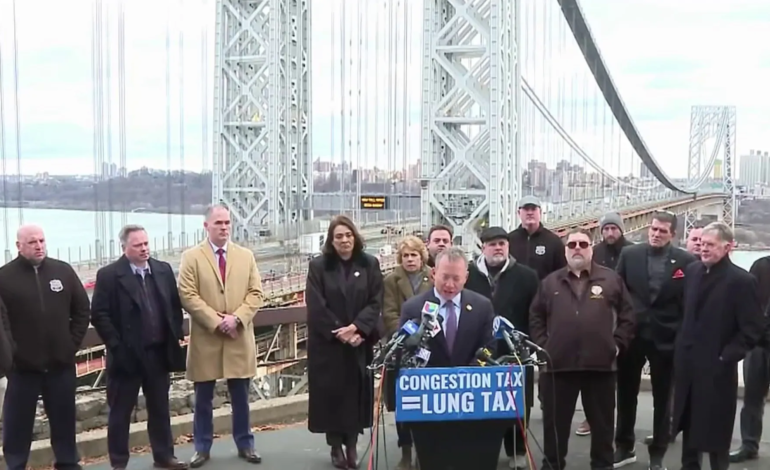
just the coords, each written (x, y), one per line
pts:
(582, 245)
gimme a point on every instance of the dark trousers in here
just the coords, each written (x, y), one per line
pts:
(203, 420)
(559, 391)
(404, 435)
(513, 439)
(57, 388)
(756, 379)
(122, 394)
(336, 439)
(630, 365)
(692, 458)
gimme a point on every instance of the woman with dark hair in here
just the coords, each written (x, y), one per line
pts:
(344, 299)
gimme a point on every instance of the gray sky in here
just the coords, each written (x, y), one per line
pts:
(664, 56)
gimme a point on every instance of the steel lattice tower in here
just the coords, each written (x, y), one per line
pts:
(470, 106)
(262, 165)
(706, 123)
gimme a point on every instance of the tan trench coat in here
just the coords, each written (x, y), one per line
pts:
(212, 355)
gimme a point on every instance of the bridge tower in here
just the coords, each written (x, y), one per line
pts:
(470, 108)
(718, 123)
(262, 165)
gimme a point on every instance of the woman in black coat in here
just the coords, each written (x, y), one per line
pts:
(344, 299)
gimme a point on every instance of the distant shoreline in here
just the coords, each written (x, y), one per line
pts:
(66, 207)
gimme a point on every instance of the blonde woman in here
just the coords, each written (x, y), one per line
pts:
(411, 277)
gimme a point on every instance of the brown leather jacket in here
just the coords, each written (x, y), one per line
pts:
(397, 289)
(582, 332)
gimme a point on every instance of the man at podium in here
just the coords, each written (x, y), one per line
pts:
(465, 317)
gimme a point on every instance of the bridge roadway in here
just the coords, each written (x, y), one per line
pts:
(270, 256)
(295, 448)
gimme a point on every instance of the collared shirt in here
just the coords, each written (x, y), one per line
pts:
(141, 271)
(442, 308)
(216, 250)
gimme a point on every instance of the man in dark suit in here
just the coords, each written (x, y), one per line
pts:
(654, 275)
(137, 312)
(465, 317)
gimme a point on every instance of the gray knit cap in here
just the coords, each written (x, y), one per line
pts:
(612, 218)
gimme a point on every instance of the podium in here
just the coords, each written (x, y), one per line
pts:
(458, 415)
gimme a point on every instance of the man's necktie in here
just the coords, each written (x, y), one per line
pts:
(222, 264)
(450, 325)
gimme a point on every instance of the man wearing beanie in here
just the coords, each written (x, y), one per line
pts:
(607, 254)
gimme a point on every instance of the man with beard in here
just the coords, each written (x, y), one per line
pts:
(654, 275)
(693, 241)
(582, 316)
(439, 239)
(534, 245)
(722, 322)
(607, 254)
(756, 375)
(511, 287)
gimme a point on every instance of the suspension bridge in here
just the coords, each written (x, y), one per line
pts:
(446, 111)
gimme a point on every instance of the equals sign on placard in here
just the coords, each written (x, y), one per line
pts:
(410, 403)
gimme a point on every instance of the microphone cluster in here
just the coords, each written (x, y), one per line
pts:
(408, 348)
(521, 350)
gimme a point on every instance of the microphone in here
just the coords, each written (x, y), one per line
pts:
(420, 336)
(484, 355)
(407, 330)
(522, 337)
(502, 328)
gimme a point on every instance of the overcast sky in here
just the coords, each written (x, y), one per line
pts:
(664, 56)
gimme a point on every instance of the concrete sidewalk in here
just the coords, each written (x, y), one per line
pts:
(294, 448)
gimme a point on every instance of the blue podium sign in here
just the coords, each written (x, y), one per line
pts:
(460, 393)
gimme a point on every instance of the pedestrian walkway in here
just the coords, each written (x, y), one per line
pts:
(295, 448)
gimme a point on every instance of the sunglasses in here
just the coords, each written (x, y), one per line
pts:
(582, 245)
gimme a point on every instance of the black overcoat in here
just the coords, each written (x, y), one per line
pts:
(722, 322)
(116, 316)
(340, 387)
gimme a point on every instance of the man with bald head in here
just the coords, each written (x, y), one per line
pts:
(48, 310)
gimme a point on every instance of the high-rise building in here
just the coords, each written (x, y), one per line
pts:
(754, 169)
(718, 169)
(644, 172)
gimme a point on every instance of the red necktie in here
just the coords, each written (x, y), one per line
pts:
(222, 264)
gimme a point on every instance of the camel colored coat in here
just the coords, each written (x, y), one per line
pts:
(212, 355)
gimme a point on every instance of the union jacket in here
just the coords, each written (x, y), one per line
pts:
(582, 332)
(48, 310)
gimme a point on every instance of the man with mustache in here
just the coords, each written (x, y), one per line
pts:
(584, 307)
(510, 286)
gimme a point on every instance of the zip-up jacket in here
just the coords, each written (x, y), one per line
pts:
(49, 311)
(542, 250)
(608, 255)
(582, 331)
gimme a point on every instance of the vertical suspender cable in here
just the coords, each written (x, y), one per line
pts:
(3, 162)
(359, 161)
(205, 88)
(343, 101)
(107, 175)
(182, 182)
(98, 89)
(389, 147)
(122, 102)
(405, 104)
(20, 186)
(169, 176)
(333, 94)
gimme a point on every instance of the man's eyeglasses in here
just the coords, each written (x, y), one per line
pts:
(582, 245)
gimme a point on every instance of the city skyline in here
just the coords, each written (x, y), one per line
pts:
(659, 79)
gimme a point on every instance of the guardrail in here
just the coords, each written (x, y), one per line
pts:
(284, 315)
